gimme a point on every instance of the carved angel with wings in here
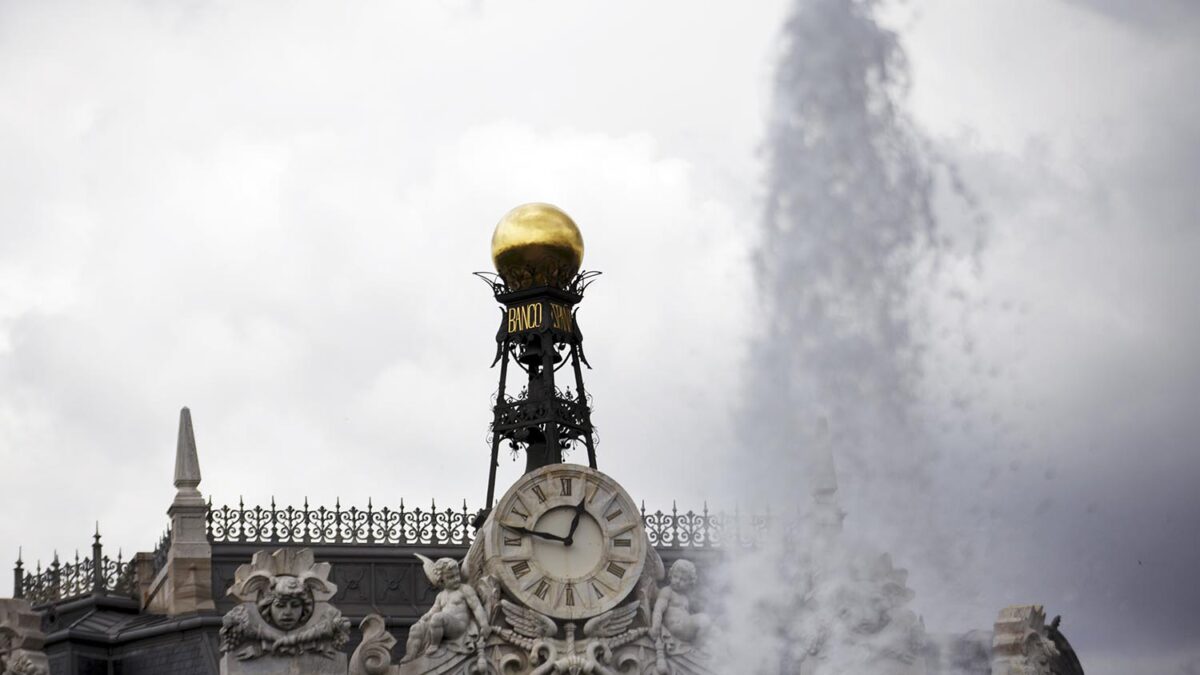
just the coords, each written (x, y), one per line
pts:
(455, 612)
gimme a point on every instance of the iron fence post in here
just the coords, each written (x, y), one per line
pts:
(19, 578)
(97, 563)
(54, 579)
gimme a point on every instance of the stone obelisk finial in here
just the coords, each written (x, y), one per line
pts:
(187, 461)
(188, 586)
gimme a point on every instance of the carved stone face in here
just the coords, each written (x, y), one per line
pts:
(683, 575)
(287, 612)
(288, 604)
(448, 573)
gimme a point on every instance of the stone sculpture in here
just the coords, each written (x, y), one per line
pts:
(374, 654)
(456, 620)
(1024, 645)
(679, 634)
(284, 623)
(673, 618)
(21, 640)
(594, 653)
(473, 629)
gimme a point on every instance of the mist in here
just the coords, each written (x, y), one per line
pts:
(883, 386)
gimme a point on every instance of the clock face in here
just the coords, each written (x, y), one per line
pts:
(563, 571)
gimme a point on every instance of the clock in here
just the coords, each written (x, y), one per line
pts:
(567, 541)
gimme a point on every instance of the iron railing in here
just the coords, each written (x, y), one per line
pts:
(444, 527)
(432, 526)
(94, 575)
(159, 559)
(322, 525)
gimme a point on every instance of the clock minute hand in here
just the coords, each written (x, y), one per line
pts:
(569, 539)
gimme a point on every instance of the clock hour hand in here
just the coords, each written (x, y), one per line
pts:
(535, 533)
(569, 539)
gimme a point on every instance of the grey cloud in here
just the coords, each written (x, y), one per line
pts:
(1153, 16)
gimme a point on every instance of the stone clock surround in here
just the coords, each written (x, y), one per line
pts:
(593, 574)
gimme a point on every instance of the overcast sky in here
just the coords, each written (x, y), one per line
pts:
(269, 212)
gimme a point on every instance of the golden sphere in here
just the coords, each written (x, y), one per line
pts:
(537, 245)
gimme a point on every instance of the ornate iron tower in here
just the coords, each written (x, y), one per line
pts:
(537, 250)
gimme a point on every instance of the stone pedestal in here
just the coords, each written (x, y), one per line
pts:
(303, 664)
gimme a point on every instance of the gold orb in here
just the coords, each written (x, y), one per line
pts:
(537, 245)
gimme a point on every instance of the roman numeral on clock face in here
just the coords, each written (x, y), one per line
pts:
(616, 570)
(566, 486)
(521, 569)
(541, 495)
(542, 589)
(516, 511)
(512, 541)
(614, 515)
(570, 595)
(621, 543)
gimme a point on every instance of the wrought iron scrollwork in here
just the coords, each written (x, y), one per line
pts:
(339, 525)
(160, 553)
(577, 283)
(447, 526)
(94, 575)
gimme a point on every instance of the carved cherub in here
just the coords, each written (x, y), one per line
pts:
(672, 608)
(456, 610)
